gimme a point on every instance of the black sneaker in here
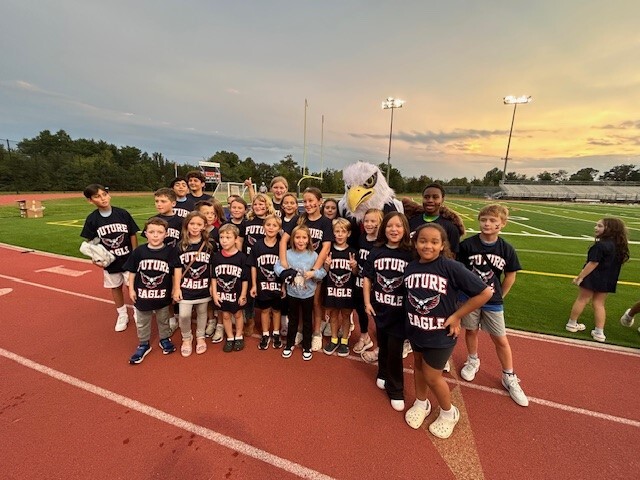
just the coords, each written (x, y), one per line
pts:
(228, 346)
(238, 344)
(264, 342)
(343, 350)
(141, 352)
(167, 346)
(307, 355)
(287, 352)
(277, 342)
(330, 347)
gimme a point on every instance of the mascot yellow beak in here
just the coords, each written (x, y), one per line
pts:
(357, 195)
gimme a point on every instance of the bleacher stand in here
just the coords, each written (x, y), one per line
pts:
(610, 192)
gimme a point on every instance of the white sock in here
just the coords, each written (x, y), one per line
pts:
(421, 403)
(448, 414)
(239, 337)
(265, 334)
(276, 332)
(122, 310)
(572, 322)
(473, 356)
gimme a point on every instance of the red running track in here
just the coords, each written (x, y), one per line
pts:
(72, 407)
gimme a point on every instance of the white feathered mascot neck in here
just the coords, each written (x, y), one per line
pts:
(365, 187)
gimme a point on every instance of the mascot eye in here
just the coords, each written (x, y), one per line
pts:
(371, 181)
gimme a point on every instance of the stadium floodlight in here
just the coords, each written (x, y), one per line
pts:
(391, 104)
(515, 101)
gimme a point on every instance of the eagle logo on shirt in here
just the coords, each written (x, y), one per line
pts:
(195, 273)
(113, 243)
(486, 277)
(424, 305)
(152, 282)
(227, 286)
(340, 280)
(251, 240)
(315, 245)
(388, 285)
(270, 275)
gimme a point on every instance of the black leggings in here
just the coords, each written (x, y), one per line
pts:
(300, 309)
(390, 367)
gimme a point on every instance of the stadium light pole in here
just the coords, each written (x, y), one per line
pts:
(515, 101)
(391, 104)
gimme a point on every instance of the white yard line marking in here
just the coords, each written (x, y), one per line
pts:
(216, 437)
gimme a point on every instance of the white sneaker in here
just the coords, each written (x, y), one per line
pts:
(470, 368)
(211, 327)
(397, 405)
(512, 384)
(447, 367)
(597, 336)
(316, 343)
(218, 334)
(380, 383)
(406, 349)
(298, 340)
(626, 319)
(122, 322)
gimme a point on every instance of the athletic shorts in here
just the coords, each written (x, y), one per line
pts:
(435, 357)
(489, 321)
(273, 303)
(115, 280)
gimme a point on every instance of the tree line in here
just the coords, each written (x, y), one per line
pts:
(56, 162)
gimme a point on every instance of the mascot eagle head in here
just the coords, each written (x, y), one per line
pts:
(365, 187)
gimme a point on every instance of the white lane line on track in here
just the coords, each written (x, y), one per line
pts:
(539, 337)
(540, 401)
(219, 438)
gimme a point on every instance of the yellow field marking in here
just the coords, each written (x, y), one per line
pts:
(564, 275)
(67, 223)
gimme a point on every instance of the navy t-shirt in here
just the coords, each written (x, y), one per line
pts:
(605, 277)
(184, 207)
(229, 273)
(253, 231)
(364, 248)
(263, 258)
(196, 281)
(154, 270)
(502, 257)
(340, 280)
(385, 268)
(432, 291)
(115, 232)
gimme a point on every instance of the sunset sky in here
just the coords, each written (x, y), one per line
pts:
(190, 78)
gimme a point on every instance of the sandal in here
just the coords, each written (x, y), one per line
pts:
(415, 415)
(443, 427)
(186, 348)
(370, 356)
(201, 347)
(362, 345)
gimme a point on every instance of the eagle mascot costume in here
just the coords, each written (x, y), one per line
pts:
(365, 187)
